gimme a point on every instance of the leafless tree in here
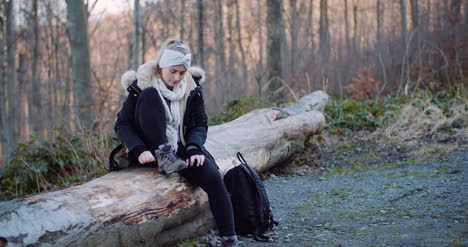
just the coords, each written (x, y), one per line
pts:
(324, 32)
(414, 13)
(80, 56)
(274, 47)
(137, 35)
(403, 22)
(201, 43)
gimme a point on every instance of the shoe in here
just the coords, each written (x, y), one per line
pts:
(229, 241)
(168, 161)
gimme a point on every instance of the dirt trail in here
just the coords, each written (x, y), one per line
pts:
(368, 193)
(416, 204)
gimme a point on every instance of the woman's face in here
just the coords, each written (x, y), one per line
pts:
(171, 76)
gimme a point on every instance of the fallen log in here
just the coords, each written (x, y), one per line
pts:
(140, 207)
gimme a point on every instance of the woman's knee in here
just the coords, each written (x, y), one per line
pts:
(210, 176)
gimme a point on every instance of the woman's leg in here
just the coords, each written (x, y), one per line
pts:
(210, 180)
(150, 119)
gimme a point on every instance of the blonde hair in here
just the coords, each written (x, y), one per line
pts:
(170, 43)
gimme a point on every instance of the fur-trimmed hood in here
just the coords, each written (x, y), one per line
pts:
(145, 76)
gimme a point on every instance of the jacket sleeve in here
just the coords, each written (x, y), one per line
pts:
(124, 126)
(197, 124)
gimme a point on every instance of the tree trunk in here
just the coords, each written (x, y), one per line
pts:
(356, 38)
(81, 66)
(144, 31)
(455, 10)
(310, 29)
(293, 33)
(259, 75)
(11, 91)
(379, 22)
(403, 22)
(182, 19)
(466, 15)
(324, 32)
(57, 85)
(23, 112)
(414, 13)
(439, 15)
(35, 92)
(274, 47)
(232, 51)
(137, 35)
(220, 49)
(239, 40)
(3, 109)
(201, 55)
(141, 207)
(348, 44)
(427, 20)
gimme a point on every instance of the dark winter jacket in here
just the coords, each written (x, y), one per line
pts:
(194, 125)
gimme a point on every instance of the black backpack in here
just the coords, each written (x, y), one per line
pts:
(252, 212)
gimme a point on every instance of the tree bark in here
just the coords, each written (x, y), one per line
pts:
(348, 44)
(324, 32)
(379, 22)
(81, 66)
(3, 109)
(310, 33)
(274, 47)
(35, 93)
(23, 112)
(356, 38)
(220, 49)
(11, 90)
(137, 35)
(201, 55)
(403, 22)
(239, 39)
(182, 19)
(259, 73)
(293, 33)
(414, 13)
(141, 207)
(455, 9)
(232, 51)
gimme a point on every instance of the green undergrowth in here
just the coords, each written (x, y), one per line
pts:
(236, 108)
(63, 160)
(360, 115)
(192, 242)
(346, 114)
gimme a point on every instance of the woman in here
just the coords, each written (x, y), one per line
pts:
(167, 119)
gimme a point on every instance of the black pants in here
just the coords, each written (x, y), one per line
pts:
(150, 123)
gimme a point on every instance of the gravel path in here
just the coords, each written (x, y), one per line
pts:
(421, 203)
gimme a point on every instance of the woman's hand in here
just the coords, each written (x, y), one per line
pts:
(196, 157)
(196, 160)
(146, 157)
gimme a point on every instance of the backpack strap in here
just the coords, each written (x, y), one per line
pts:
(241, 158)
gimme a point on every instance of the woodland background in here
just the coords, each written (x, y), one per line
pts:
(61, 61)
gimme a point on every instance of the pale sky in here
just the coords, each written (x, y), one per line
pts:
(111, 6)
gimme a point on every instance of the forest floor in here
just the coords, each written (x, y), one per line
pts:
(369, 190)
